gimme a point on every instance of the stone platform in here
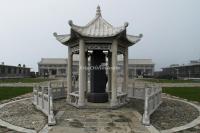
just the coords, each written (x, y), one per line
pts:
(101, 120)
(106, 105)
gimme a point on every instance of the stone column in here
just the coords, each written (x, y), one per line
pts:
(69, 74)
(109, 72)
(81, 100)
(125, 89)
(89, 74)
(113, 101)
(86, 73)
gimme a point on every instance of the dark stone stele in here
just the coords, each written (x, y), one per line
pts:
(98, 78)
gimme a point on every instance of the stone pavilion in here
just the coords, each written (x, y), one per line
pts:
(100, 42)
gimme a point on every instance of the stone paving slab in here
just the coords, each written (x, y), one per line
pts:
(96, 120)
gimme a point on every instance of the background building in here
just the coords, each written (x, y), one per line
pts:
(56, 67)
(186, 71)
(141, 68)
(52, 67)
(8, 71)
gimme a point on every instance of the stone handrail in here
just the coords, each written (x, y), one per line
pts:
(121, 98)
(136, 91)
(152, 101)
(58, 89)
(151, 94)
(42, 99)
(74, 96)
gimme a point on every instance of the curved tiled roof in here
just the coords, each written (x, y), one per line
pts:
(98, 27)
(65, 38)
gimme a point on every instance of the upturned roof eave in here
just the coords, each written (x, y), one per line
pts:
(67, 38)
(133, 39)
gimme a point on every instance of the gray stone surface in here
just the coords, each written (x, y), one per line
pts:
(195, 129)
(123, 120)
(173, 114)
(70, 119)
(167, 116)
(6, 130)
(23, 114)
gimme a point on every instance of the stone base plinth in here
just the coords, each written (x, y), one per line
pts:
(97, 97)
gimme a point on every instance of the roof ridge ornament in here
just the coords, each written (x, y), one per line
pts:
(98, 11)
(70, 22)
(126, 24)
(55, 34)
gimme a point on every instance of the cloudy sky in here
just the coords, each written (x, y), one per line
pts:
(171, 28)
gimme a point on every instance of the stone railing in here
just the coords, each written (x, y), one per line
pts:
(43, 95)
(74, 96)
(121, 98)
(153, 99)
(58, 89)
(151, 94)
(42, 99)
(137, 92)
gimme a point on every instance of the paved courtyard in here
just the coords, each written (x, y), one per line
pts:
(70, 119)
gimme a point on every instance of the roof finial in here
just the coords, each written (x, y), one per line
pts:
(98, 12)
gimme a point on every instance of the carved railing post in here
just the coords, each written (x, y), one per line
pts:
(145, 119)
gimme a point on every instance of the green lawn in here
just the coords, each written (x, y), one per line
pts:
(10, 92)
(23, 80)
(171, 81)
(190, 93)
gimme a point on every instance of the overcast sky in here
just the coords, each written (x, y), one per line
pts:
(171, 28)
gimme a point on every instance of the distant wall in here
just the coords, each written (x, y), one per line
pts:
(14, 72)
